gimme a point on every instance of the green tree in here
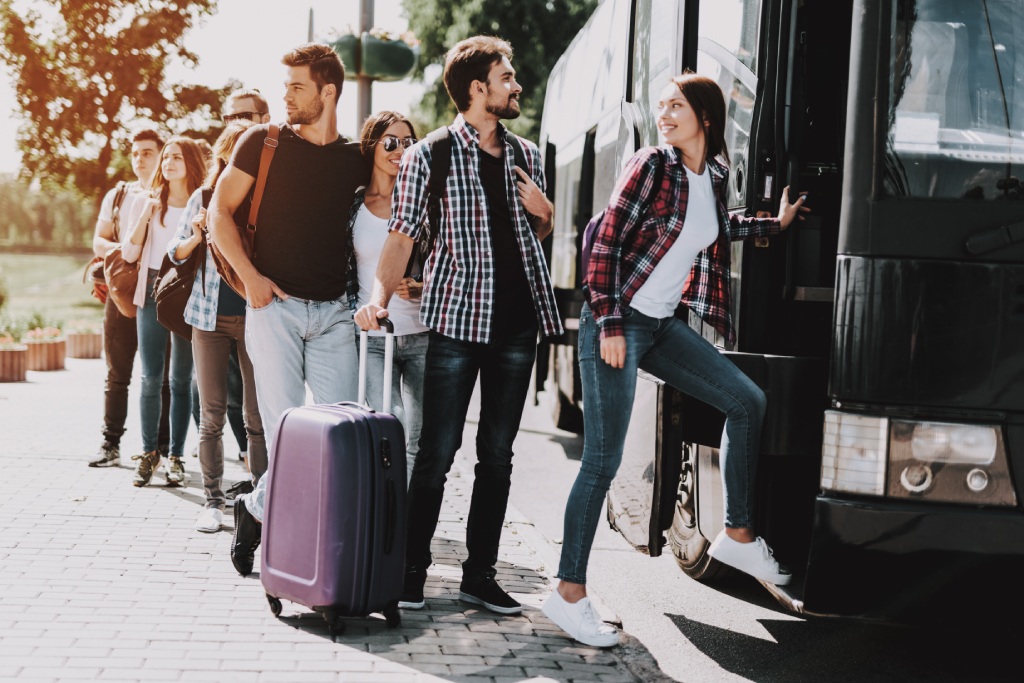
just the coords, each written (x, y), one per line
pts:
(84, 69)
(539, 31)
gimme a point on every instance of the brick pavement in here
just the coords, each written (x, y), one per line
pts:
(103, 581)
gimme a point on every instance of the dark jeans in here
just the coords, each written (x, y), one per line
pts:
(120, 343)
(504, 368)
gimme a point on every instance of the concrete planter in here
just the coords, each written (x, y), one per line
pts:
(46, 354)
(13, 363)
(84, 344)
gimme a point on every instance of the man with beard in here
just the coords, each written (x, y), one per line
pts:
(298, 323)
(486, 296)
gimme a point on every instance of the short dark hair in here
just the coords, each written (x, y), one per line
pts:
(324, 64)
(374, 127)
(150, 135)
(471, 60)
(708, 104)
(253, 94)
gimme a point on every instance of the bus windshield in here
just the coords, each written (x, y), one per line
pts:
(956, 115)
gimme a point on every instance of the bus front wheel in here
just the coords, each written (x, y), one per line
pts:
(689, 547)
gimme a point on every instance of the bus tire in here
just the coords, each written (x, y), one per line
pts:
(689, 546)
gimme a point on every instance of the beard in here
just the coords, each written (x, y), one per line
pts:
(307, 115)
(508, 110)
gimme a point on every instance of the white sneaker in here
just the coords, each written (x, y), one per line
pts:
(580, 621)
(210, 520)
(753, 558)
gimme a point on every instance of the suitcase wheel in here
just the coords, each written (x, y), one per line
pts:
(392, 616)
(275, 605)
(335, 622)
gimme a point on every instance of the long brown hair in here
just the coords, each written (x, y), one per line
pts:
(708, 103)
(195, 169)
(223, 146)
(374, 127)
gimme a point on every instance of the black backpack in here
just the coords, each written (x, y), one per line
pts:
(440, 144)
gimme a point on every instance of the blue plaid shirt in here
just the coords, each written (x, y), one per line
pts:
(458, 292)
(201, 309)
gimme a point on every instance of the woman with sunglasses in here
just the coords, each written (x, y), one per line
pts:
(384, 138)
(178, 175)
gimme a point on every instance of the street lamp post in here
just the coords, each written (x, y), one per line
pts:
(364, 92)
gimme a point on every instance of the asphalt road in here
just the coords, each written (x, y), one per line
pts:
(734, 630)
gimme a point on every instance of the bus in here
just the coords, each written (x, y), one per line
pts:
(887, 329)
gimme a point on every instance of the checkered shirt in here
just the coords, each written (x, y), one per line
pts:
(459, 288)
(637, 231)
(201, 309)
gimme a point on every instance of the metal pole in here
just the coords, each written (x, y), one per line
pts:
(364, 93)
(309, 35)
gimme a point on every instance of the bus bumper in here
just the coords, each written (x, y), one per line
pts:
(912, 564)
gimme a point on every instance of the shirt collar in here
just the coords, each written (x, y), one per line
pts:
(469, 135)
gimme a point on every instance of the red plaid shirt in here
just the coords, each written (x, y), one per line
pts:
(642, 223)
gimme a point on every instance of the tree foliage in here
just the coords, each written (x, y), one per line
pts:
(54, 219)
(539, 31)
(88, 72)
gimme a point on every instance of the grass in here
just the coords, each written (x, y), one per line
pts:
(48, 284)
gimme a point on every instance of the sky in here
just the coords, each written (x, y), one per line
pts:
(245, 40)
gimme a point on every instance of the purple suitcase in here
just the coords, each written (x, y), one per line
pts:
(334, 530)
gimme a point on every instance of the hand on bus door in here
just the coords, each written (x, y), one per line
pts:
(787, 211)
(613, 351)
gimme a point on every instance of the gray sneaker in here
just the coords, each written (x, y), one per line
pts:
(106, 456)
(148, 462)
(175, 471)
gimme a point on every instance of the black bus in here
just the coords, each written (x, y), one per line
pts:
(887, 329)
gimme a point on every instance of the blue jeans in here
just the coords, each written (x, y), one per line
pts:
(292, 343)
(505, 369)
(153, 340)
(410, 363)
(670, 350)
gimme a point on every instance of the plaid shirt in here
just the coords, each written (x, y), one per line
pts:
(458, 292)
(201, 309)
(631, 240)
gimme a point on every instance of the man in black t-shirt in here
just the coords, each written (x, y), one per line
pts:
(298, 324)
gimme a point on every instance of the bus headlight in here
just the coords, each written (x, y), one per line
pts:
(967, 462)
(853, 454)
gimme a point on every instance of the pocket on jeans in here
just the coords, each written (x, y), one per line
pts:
(273, 300)
(587, 337)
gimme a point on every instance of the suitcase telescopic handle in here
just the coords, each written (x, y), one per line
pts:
(389, 358)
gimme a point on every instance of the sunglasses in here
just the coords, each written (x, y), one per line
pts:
(391, 142)
(228, 118)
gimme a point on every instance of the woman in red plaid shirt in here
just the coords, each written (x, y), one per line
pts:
(665, 240)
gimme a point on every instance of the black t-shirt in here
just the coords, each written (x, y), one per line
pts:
(513, 301)
(303, 219)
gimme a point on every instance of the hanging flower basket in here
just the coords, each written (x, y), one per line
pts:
(377, 54)
(13, 360)
(347, 47)
(384, 59)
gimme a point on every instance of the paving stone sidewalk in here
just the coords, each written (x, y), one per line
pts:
(100, 580)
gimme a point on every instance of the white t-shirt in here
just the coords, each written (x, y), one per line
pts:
(660, 294)
(127, 206)
(160, 234)
(368, 236)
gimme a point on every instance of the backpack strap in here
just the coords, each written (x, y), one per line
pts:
(439, 142)
(206, 196)
(267, 155)
(518, 153)
(120, 192)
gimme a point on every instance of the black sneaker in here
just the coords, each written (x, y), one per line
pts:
(107, 456)
(238, 488)
(412, 591)
(490, 595)
(245, 539)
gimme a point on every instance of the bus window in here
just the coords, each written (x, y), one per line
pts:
(657, 57)
(727, 52)
(956, 114)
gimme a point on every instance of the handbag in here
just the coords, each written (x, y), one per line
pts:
(122, 279)
(93, 274)
(174, 284)
(247, 234)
